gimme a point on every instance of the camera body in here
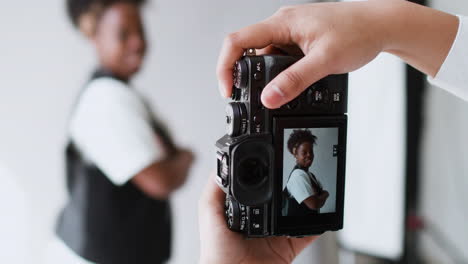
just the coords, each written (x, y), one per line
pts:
(254, 165)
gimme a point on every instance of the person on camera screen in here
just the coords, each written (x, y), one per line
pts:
(304, 192)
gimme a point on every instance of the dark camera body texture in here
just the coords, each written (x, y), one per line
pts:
(250, 155)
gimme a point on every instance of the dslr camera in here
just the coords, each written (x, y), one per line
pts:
(283, 170)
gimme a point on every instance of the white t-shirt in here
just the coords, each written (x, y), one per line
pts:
(56, 252)
(300, 185)
(453, 74)
(112, 127)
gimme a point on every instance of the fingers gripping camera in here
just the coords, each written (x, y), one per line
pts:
(283, 169)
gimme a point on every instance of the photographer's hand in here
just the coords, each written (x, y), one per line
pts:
(221, 245)
(339, 38)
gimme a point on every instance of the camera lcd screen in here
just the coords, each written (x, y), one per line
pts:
(310, 171)
(310, 161)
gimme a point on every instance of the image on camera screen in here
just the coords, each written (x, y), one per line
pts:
(310, 165)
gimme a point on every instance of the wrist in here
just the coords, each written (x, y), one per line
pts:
(419, 35)
(386, 23)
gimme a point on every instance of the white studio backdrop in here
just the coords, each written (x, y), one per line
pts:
(14, 230)
(43, 64)
(444, 168)
(375, 166)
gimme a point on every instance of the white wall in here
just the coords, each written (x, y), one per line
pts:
(444, 163)
(375, 164)
(14, 228)
(44, 62)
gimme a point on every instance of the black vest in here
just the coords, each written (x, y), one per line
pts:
(293, 208)
(109, 224)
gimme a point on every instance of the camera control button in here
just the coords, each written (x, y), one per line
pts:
(336, 97)
(258, 121)
(259, 98)
(258, 76)
(258, 67)
(293, 104)
(318, 96)
(256, 220)
(258, 118)
(309, 96)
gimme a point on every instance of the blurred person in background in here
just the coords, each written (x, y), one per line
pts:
(122, 164)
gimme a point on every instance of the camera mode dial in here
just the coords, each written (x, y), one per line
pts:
(240, 74)
(236, 214)
(236, 94)
(236, 119)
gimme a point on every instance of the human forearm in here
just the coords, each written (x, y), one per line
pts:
(419, 35)
(312, 202)
(322, 198)
(316, 201)
(339, 38)
(158, 180)
(161, 178)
